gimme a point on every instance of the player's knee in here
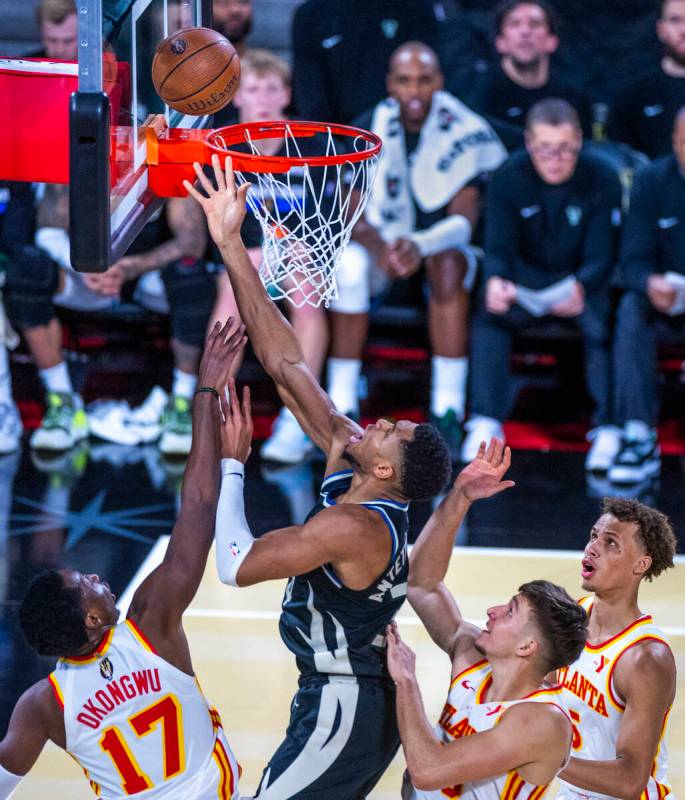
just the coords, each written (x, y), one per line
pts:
(191, 291)
(32, 280)
(632, 314)
(353, 281)
(446, 274)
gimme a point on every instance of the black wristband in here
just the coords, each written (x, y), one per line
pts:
(209, 389)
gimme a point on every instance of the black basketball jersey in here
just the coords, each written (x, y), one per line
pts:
(333, 630)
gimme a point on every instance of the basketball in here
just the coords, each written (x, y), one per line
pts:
(196, 71)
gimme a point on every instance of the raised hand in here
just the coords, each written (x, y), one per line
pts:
(224, 205)
(401, 658)
(236, 429)
(483, 476)
(223, 345)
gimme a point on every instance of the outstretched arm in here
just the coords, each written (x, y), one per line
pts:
(530, 735)
(640, 729)
(271, 335)
(430, 558)
(161, 599)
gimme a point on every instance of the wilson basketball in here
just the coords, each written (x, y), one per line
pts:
(196, 71)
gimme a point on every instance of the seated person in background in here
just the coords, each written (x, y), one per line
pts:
(526, 38)
(40, 278)
(551, 224)
(643, 114)
(16, 231)
(264, 94)
(341, 50)
(423, 208)
(233, 19)
(58, 30)
(504, 731)
(653, 307)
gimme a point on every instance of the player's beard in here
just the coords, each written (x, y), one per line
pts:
(674, 55)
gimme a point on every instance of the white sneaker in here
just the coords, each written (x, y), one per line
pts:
(606, 442)
(10, 427)
(479, 429)
(288, 443)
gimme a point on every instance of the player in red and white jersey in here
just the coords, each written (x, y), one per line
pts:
(621, 689)
(504, 733)
(123, 699)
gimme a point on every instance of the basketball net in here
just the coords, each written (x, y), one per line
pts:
(305, 231)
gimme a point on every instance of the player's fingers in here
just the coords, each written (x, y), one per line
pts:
(235, 402)
(247, 407)
(490, 450)
(504, 485)
(242, 192)
(481, 450)
(506, 459)
(218, 173)
(193, 192)
(203, 179)
(230, 177)
(498, 447)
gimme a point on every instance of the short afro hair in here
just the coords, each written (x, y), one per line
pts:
(560, 620)
(425, 463)
(654, 531)
(51, 616)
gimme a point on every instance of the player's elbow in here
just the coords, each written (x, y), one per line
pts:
(633, 780)
(423, 777)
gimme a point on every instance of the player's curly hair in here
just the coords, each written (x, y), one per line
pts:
(51, 616)
(654, 531)
(561, 621)
(425, 463)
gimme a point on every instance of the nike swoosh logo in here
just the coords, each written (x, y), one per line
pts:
(529, 211)
(331, 41)
(514, 111)
(667, 222)
(652, 111)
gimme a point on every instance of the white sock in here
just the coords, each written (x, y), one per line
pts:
(343, 383)
(448, 385)
(635, 430)
(5, 376)
(56, 379)
(184, 384)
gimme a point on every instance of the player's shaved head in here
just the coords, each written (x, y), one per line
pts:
(414, 52)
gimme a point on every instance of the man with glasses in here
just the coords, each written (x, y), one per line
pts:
(550, 239)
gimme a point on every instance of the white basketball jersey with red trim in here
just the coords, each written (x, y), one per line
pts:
(465, 713)
(139, 726)
(597, 711)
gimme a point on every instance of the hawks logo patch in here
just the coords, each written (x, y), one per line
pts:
(392, 185)
(178, 46)
(106, 669)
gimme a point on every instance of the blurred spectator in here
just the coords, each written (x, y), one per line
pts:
(653, 307)
(58, 30)
(643, 114)
(526, 38)
(424, 205)
(264, 94)
(232, 18)
(341, 50)
(40, 277)
(551, 222)
(16, 231)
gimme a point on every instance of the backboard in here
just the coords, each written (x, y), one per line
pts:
(110, 199)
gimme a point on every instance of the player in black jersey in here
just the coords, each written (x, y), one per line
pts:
(349, 559)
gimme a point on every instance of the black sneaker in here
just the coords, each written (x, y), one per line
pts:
(636, 461)
(450, 428)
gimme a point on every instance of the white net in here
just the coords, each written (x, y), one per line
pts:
(306, 214)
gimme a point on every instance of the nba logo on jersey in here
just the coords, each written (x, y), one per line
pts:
(235, 550)
(106, 669)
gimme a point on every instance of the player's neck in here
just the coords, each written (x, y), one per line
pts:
(92, 645)
(672, 68)
(531, 76)
(612, 612)
(511, 681)
(365, 487)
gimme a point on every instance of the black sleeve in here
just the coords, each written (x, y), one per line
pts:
(620, 125)
(501, 229)
(17, 224)
(639, 242)
(311, 95)
(599, 249)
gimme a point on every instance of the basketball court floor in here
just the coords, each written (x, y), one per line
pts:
(109, 509)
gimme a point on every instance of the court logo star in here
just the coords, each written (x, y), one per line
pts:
(121, 522)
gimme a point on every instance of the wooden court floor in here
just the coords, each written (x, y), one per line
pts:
(250, 676)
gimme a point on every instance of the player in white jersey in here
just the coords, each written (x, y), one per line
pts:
(503, 732)
(621, 689)
(123, 699)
